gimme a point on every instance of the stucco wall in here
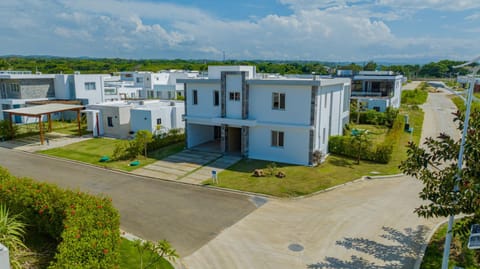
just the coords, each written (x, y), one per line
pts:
(198, 134)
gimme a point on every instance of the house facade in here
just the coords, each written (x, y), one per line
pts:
(276, 118)
(124, 118)
(377, 89)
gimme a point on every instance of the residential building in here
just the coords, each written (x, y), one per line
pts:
(89, 88)
(124, 118)
(270, 118)
(465, 81)
(377, 90)
(19, 87)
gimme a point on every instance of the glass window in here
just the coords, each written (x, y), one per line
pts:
(159, 121)
(195, 97)
(110, 121)
(90, 86)
(278, 100)
(277, 139)
(216, 98)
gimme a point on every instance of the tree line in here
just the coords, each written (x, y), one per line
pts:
(55, 65)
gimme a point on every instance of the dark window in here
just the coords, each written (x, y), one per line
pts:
(195, 97)
(278, 100)
(110, 121)
(231, 96)
(234, 96)
(376, 108)
(237, 96)
(277, 139)
(216, 98)
(159, 121)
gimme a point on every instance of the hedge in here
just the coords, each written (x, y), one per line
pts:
(86, 227)
(172, 137)
(386, 118)
(380, 153)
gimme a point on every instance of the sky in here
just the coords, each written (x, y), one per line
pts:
(404, 31)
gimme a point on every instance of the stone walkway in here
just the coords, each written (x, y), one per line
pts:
(32, 143)
(189, 166)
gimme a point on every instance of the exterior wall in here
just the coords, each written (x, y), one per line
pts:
(28, 88)
(295, 150)
(198, 134)
(214, 71)
(297, 104)
(146, 119)
(205, 107)
(233, 108)
(93, 96)
(120, 119)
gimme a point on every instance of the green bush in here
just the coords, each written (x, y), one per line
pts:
(86, 227)
(374, 117)
(415, 97)
(172, 137)
(380, 153)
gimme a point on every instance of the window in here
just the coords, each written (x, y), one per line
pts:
(132, 95)
(195, 97)
(90, 86)
(278, 101)
(234, 96)
(110, 121)
(216, 98)
(277, 139)
(159, 121)
(139, 80)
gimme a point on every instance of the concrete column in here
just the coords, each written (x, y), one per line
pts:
(224, 138)
(79, 124)
(40, 125)
(244, 141)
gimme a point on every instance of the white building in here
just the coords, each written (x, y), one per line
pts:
(89, 88)
(275, 119)
(122, 119)
(377, 89)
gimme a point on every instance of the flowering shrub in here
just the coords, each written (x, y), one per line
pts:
(86, 227)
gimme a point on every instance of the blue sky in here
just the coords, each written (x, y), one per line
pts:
(357, 30)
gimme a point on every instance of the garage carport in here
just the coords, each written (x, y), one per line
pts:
(48, 109)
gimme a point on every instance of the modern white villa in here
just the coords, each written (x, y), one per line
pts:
(377, 89)
(269, 118)
(122, 119)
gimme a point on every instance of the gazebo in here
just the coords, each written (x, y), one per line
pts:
(48, 109)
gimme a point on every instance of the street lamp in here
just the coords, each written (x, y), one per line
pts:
(448, 238)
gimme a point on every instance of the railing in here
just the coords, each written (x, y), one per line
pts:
(366, 93)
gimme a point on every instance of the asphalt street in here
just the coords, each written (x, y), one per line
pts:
(188, 216)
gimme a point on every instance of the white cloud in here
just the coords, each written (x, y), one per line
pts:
(315, 30)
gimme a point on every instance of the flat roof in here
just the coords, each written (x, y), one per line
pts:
(43, 109)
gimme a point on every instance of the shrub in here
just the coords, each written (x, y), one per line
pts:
(159, 141)
(85, 226)
(374, 117)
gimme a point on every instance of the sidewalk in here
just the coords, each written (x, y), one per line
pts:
(32, 143)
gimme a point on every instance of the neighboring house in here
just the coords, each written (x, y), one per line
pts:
(377, 89)
(89, 88)
(276, 118)
(161, 85)
(17, 88)
(122, 119)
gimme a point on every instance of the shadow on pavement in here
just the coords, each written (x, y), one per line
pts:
(402, 253)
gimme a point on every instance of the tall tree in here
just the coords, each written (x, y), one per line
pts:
(370, 66)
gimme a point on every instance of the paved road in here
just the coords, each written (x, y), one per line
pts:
(187, 216)
(369, 224)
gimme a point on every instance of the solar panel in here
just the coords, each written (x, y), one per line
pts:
(474, 242)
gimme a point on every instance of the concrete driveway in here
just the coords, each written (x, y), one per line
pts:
(369, 224)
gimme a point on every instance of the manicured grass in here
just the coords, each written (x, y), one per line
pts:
(460, 255)
(376, 133)
(130, 258)
(68, 128)
(302, 180)
(460, 104)
(415, 97)
(90, 151)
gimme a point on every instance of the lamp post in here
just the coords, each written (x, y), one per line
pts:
(448, 238)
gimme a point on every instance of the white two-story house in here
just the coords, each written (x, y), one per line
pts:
(276, 119)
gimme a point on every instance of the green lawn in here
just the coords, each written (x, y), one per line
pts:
(90, 151)
(69, 128)
(461, 104)
(130, 258)
(460, 255)
(376, 133)
(302, 180)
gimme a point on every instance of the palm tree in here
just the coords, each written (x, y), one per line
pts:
(12, 231)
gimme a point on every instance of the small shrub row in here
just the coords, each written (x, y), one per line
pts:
(415, 97)
(380, 153)
(173, 136)
(374, 117)
(86, 227)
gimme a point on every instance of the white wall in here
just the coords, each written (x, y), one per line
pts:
(205, 107)
(297, 104)
(234, 108)
(198, 134)
(215, 71)
(295, 150)
(94, 96)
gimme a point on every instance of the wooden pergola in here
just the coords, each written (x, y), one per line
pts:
(48, 109)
